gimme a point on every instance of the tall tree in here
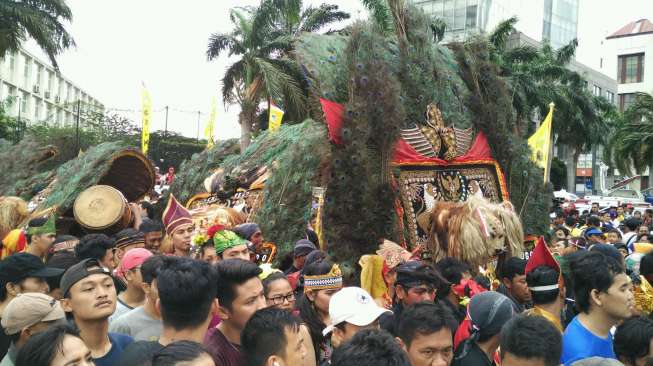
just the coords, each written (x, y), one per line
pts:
(42, 20)
(631, 144)
(262, 37)
(539, 76)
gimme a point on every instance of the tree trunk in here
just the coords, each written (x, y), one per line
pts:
(246, 120)
(571, 170)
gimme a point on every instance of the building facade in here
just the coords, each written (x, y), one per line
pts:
(40, 94)
(553, 20)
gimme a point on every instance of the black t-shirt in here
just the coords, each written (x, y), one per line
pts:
(5, 341)
(474, 357)
(139, 353)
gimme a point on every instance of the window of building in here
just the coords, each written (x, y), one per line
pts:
(630, 68)
(24, 99)
(12, 62)
(596, 90)
(50, 81)
(609, 96)
(37, 109)
(625, 100)
(39, 74)
(26, 72)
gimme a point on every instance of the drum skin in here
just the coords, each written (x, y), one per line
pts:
(102, 208)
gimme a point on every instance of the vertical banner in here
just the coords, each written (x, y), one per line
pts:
(146, 117)
(540, 144)
(276, 115)
(210, 125)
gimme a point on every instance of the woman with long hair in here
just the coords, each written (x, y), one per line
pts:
(322, 279)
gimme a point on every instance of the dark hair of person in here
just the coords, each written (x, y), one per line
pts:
(646, 264)
(570, 221)
(594, 221)
(423, 319)
(264, 335)
(231, 274)
(186, 291)
(276, 276)
(543, 276)
(151, 267)
(370, 347)
(150, 226)
(37, 222)
(42, 348)
(306, 309)
(149, 209)
(592, 271)
(518, 335)
(207, 244)
(452, 270)
(179, 352)
(632, 223)
(512, 267)
(632, 339)
(94, 246)
(563, 229)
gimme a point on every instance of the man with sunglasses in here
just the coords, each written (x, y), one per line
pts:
(416, 282)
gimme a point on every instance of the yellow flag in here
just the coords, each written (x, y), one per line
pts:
(147, 115)
(210, 125)
(276, 115)
(540, 143)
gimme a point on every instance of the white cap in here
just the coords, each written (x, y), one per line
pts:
(354, 306)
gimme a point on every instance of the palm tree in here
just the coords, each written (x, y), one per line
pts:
(539, 76)
(39, 19)
(631, 145)
(263, 37)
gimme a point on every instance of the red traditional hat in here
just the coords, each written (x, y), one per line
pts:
(175, 215)
(542, 256)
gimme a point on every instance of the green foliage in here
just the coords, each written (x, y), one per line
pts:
(288, 191)
(171, 149)
(359, 204)
(40, 20)
(631, 142)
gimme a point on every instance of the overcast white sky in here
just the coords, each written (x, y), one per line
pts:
(121, 43)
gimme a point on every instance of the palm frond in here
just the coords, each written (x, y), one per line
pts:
(566, 53)
(278, 82)
(500, 34)
(380, 13)
(230, 81)
(314, 19)
(220, 42)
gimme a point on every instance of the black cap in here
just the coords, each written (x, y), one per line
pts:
(415, 273)
(80, 271)
(19, 266)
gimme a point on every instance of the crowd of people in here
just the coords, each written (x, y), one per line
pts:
(149, 296)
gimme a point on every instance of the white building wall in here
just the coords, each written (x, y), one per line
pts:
(44, 95)
(615, 47)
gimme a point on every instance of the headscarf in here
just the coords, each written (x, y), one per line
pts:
(226, 239)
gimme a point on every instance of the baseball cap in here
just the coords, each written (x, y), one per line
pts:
(132, 259)
(19, 266)
(354, 306)
(593, 231)
(28, 309)
(80, 271)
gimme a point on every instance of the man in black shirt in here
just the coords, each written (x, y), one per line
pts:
(187, 290)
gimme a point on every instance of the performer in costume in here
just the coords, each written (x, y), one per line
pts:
(179, 227)
(40, 235)
(546, 285)
(13, 212)
(261, 252)
(228, 245)
(378, 274)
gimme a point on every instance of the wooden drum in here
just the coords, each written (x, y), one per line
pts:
(102, 208)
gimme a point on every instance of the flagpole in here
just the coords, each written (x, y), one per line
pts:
(547, 173)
